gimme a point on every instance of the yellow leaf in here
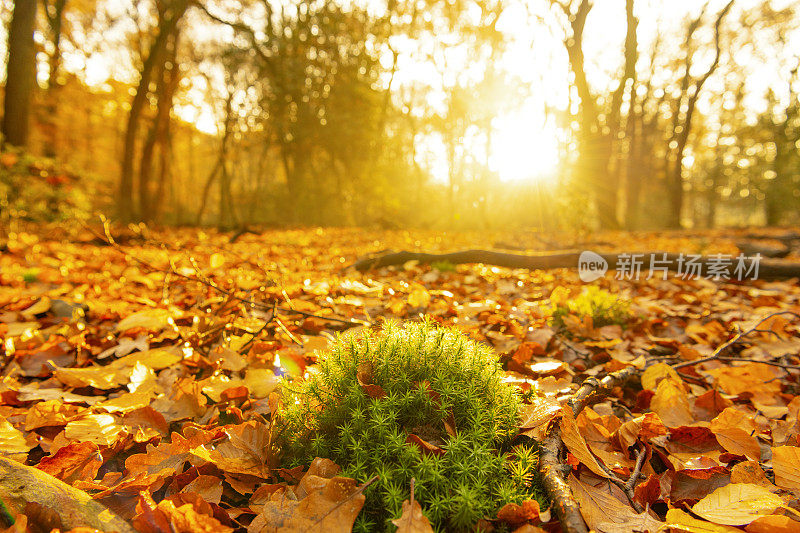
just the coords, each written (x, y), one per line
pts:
(751, 472)
(678, 520)
(419, 297)
(126, 402)
(260, 382)
(737, 504)
(733, 428)
(41, 306)
(217, 260)
(12, 441)
(786, 463)
(103, 430)
(657, 372)
(540, 411)
(671, 404)
(150, 319)
(156, 359)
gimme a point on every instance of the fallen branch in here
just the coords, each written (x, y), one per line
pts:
(551, 466)
(767, 269)
(22, 485)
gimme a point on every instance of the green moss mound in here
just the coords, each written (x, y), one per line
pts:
(602, 306)
(372, 392)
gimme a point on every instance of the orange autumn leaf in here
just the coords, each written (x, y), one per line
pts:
(786, 464)
(73, 462)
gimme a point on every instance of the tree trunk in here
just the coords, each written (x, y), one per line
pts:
(159, 131)
(21, 73)
(166, 26)
(55, 20)
(675, 175)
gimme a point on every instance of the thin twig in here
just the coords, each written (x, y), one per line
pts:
(734, 340)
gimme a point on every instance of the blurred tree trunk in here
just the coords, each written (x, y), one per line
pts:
(158, 136)
(683, 121)
(54, 12)
(21, 73)
(226, 218)
(599, 133)
(610, 191)
(168, 20)
(785, 142)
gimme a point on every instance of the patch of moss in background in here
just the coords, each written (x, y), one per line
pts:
(428, 379)
(603, 307)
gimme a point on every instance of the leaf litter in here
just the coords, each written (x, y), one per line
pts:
(144, 376)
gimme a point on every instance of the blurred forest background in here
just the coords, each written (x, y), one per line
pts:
(633, 114)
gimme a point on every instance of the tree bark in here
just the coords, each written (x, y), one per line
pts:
(21, 73)
(23, 485)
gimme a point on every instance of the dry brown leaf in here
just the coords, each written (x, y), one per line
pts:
(604, 512)
(412, 520)
(73, 462)
(517, 514)
(331, 508)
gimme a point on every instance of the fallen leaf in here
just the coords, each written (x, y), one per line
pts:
(424, 446)
(751, 472)
(733, 430)
(671, 404)
(412, 520)
(774, 524)
(786, 464)
(678, 520)
(737, 504)
(103, 430)
(606, 513)
(149, 319)
(514, 514)
(73, 462)
(331, 507)
(576, 444)
(12, 441)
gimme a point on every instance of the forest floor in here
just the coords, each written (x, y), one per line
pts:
(143, 374)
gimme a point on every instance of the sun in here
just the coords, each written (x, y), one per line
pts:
(525, 147)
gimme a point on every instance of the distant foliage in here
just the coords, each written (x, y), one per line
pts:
(39, 190)
(603, 307)
(376, 399)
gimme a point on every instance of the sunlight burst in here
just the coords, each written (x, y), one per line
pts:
(525, 147)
